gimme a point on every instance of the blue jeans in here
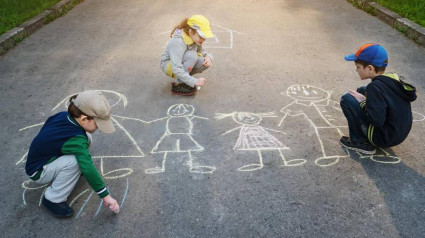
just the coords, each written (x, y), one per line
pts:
(357, 124)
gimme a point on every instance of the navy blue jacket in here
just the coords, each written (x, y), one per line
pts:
(387, 109)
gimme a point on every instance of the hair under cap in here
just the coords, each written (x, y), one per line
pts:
(95, 105)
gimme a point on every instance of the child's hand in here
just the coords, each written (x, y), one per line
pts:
(207, 61)
(111, 203)
(358, 96)
(200, 82)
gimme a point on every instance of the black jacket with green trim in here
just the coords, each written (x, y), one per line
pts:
(387, 109)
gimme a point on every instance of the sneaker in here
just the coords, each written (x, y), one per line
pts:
(182, 89)
(61, 210)
(364, 147)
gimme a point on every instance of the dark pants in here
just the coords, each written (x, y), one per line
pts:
(357, 124)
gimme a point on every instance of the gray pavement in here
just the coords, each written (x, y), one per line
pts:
(262, 48)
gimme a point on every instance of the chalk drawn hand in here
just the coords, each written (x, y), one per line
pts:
(358, 96)
(111, 203)
(207, 61)
(200, 82)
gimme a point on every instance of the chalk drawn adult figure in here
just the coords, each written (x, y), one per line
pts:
(114, 99)
(315, 106)
(253, 137)
(177, 138)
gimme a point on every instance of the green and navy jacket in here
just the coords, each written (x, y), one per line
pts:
(387, 109)
(62, 135)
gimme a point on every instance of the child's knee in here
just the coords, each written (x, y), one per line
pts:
(346, 100)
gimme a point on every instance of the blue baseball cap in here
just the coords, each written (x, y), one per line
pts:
(371, 53)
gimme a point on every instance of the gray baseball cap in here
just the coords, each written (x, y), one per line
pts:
(95, 105)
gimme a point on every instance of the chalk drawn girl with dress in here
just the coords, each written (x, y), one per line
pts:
(253, 137)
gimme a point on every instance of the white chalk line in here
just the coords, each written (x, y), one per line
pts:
(41, 197)
(129, 136)
(79, 195)
(23, 159)
(28, 127)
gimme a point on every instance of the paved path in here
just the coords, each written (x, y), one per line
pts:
(263, 48)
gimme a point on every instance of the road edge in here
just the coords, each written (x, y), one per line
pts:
(11, 38)
(409, 28)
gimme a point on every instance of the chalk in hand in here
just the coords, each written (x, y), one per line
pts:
(198, 87)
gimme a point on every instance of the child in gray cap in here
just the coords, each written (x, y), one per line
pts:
(59, 154)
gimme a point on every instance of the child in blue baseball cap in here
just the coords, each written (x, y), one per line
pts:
(184, 55)
(379, 114)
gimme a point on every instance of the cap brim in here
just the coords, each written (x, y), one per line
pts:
(351, 57)
(105, 126)
(205, 34)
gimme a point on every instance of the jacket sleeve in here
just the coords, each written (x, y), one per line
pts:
(204, 53)
(375, 106)
(176, 49)
(78, 146)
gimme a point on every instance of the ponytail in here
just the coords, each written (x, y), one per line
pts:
(183, 26)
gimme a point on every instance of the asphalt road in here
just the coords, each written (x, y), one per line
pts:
(215, 183)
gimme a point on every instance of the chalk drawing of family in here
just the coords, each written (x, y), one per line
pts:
(310, 103)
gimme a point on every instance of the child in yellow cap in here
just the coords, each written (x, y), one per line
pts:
(59, 154)
(184, 55)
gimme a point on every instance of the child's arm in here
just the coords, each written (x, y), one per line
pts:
(111, 203)
(374, 106)
(206, 54)
(358, 96)
(78, 146)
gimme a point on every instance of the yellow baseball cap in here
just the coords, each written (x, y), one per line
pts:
(201, 25)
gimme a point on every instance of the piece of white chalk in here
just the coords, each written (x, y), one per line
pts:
(198, 87)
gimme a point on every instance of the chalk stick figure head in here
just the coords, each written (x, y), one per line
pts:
(114, 99)
(307, 93)
(247, 118)
(181, 110)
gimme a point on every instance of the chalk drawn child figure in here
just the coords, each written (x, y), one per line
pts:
(315, 106)
(254, 137)
(177, 138)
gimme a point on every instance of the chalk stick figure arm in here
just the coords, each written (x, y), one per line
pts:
(227, 132)
(274, 130)
(139, 120)
(28, 127)
(287, 109)
(283, 118)
(204, 118)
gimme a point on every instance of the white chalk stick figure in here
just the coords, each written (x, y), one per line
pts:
(177, 138)
(253, 137)
(315, 106)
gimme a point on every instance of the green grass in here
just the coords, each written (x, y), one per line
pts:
(413, 10)
(15, 12)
